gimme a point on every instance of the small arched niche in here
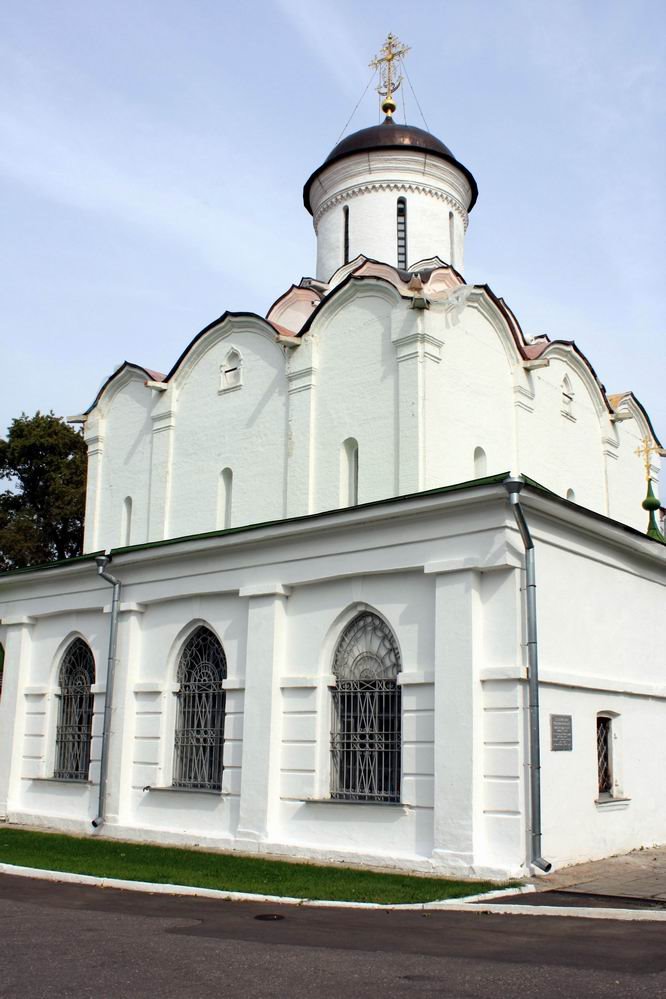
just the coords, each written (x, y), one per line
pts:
(480, 463)
(126, 522)
(225, 498)
(567, 405)
(571, 495)
(349, 472)
(231, 372)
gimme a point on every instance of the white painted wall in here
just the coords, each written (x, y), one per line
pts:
(369, 184)
(443, 571)
(242, 428)
(420, 390)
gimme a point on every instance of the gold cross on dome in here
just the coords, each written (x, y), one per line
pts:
(389, 81)
(645, 451)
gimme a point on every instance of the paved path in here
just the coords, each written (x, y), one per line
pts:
(76, 942)
(641, 874)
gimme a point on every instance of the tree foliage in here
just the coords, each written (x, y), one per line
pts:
(43, 461)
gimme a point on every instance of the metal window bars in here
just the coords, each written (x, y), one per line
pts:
(603, 755)
(366, 736)
(402, 234)
(74, 728)
(199, 736)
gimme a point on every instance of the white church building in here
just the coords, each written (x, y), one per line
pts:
(365, 579)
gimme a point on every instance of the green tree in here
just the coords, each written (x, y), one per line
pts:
(43, 460)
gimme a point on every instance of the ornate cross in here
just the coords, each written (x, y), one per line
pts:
(391, 50)
(645, 451)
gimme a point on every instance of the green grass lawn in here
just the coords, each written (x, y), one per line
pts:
(203, 869)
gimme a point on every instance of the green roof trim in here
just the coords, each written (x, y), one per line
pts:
(88, 557)
(488, 480)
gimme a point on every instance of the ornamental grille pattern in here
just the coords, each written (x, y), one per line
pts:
(603, 755)
(74, 729)
(366, 735)
(199, 739)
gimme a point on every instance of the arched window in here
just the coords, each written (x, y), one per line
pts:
(349, 472)
(231, 372)
(567, 398)
(571, 495)
(126, 530)
(74, 729)
(199, 740)
(224, 499)
(345, 214)
(402, 234)
(366, 737)
(480, 463)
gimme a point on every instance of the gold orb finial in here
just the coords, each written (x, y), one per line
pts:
(389, 80)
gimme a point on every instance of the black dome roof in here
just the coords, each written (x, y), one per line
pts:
(389, 135)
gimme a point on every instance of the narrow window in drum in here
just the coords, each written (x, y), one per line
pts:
(345, 213)
(402, 234)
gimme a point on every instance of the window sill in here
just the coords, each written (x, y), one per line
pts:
(612, 804)
(187, 790)
(70, 781)
(347, 801)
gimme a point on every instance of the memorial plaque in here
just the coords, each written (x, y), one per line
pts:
(561, 734)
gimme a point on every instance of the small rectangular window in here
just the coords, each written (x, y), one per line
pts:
(604, 755)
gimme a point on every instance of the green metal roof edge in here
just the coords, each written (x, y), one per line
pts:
(489, 480)
(59, 563)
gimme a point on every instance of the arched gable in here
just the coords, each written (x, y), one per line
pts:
(115, 383)
(627, 402)
(569, 355)
(481, 300)
(293, 308)
(353, 289)
(230, 324)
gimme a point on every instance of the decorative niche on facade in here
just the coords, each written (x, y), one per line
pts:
(231, 372)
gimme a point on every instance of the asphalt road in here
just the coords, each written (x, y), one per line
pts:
(60, 941)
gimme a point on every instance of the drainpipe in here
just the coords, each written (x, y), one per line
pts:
(513, 486)
(102, 562)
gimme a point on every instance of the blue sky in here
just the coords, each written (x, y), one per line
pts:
(152, 158)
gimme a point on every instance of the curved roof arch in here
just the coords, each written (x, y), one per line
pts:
(126, 373)
(337, 297)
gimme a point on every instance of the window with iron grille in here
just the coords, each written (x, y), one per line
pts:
(199, 739)
(366, 737)
(402, 234)
(75, 715)
(604, 755)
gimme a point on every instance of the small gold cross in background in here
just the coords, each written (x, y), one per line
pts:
(645, 451)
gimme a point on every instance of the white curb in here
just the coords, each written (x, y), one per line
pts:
(447, 905)
(236, 896)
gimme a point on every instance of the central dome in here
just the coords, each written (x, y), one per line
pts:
(389, 135)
